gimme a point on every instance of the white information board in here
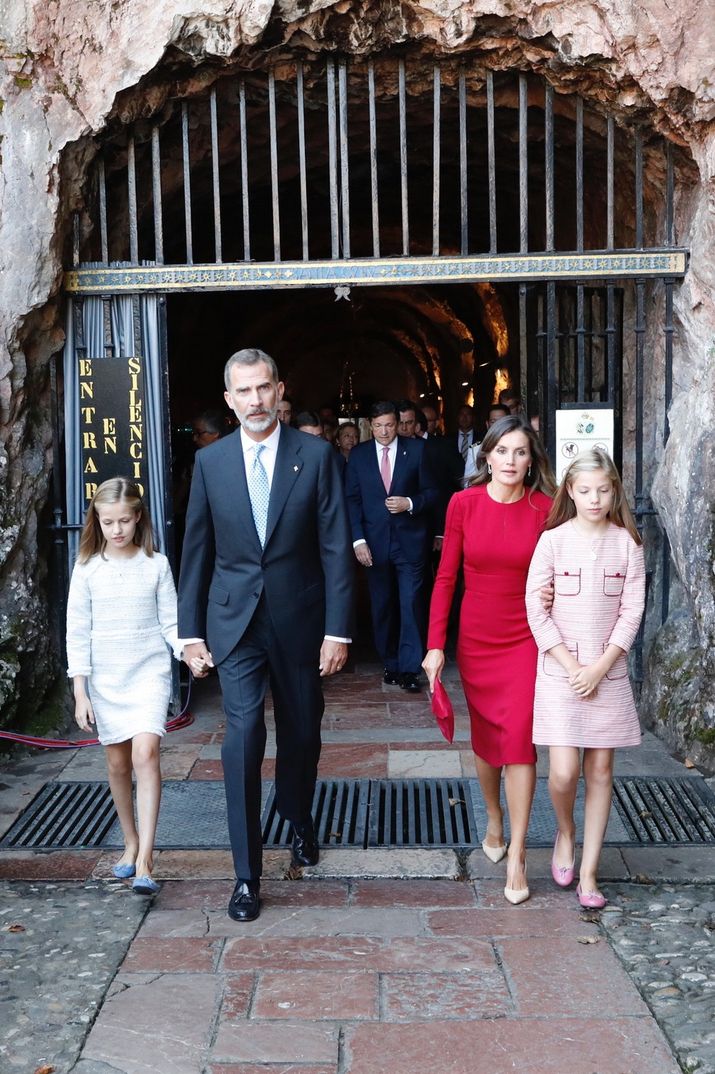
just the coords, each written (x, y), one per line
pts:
(577, 430)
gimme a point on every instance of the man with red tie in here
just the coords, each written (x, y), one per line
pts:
(391, 492)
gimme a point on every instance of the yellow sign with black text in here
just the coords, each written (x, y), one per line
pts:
(111, 422)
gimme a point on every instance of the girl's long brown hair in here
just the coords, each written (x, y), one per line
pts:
(542, 476)
(563, 507)
(116, 490)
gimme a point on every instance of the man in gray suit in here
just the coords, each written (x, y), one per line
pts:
(265, 594)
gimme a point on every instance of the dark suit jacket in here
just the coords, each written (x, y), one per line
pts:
(370, 519)
(448, 466)
(306, 568)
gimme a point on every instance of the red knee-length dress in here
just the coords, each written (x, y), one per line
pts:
(496, 653)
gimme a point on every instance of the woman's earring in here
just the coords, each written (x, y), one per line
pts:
(489, 468)
(528, 472)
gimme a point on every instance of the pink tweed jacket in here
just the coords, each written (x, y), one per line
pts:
(599, 595)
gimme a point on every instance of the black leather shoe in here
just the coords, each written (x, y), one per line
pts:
(304, 849)
(245, 904)
(391, 678)
(411, 683)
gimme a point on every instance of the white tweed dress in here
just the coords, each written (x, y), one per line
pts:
(121, 621)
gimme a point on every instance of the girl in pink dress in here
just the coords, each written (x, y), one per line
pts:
(592, 551)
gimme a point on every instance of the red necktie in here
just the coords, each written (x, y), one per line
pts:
(385, 469)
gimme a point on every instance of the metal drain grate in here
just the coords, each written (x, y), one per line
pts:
(362, 813)
(340, 809)
(384, 813)
(421, 813)
(64, 815)
(666, 810)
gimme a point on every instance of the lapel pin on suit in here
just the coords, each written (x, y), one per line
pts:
(296, 468)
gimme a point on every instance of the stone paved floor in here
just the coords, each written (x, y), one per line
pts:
(375, 960)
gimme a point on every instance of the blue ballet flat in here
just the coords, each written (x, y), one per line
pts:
(123, 872)
(144, 885)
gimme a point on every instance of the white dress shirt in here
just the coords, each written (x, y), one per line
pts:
(470, 463)
(268, 455)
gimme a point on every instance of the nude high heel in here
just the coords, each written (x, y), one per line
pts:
(494, 854)
(516, 895)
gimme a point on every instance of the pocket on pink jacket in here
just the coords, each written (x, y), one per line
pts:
(567, 583)
(613, 583)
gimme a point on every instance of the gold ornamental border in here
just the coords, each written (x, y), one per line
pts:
(596, 265)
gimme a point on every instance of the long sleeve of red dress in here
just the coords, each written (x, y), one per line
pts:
(445, 582)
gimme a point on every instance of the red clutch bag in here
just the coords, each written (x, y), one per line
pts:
(443, 711)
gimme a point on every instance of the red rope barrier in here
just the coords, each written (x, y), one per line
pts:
(176, 723)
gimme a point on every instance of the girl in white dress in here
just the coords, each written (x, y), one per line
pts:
(121, 619)
(592, 552)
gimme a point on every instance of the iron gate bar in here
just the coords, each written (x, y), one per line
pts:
(273, 141)
(132, 202)
(216, 179)
(436, 140)
(104, 240)
(302, 167)
(156, 195)
(186, 178)
(332, 160)
(245, 203)
(404, 193)
(491, 165)
(523, 166)
(374, 191)
(594, 265)
(344, 161)
(463, 172)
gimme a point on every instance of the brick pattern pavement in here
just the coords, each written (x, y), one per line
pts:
(368, 975)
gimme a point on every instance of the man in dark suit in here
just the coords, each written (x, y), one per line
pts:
(391, 492)
(265, 592)
(466, 435)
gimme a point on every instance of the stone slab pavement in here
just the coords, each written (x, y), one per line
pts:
(384, 960)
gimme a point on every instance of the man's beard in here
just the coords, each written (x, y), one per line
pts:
(256, 424)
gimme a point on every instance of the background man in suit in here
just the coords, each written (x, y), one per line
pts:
(267, 546)
(466, 435)
(391, 493)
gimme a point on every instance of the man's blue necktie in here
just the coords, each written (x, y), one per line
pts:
(259, 491)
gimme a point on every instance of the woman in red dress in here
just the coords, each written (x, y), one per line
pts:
(491, 530)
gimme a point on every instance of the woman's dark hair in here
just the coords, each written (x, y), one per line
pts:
(541, 477)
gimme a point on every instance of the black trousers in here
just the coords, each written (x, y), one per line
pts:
(260, 658)
(397, 606)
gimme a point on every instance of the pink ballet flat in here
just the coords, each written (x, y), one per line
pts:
(591, 900)
(562, 874)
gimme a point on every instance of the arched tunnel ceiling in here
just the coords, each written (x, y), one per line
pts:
(393, 342)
